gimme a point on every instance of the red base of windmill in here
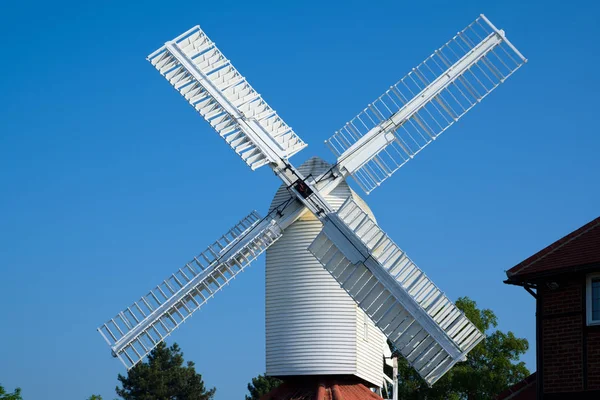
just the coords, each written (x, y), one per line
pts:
(322, 388)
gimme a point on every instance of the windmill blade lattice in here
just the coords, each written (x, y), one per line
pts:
(135, 331)
(423, 104)
(414, 314)
(194, 65)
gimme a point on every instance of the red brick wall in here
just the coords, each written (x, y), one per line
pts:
(562, 337)
(593, 358)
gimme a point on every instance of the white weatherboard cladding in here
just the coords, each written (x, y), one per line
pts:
(313, 327)
(369, 349)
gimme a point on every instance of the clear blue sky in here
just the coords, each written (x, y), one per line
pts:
(109, 180)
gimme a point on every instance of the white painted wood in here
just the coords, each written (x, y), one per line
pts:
(369, 349)
(198, 70)
(412, 113)
(589, 303)
(313, 327)
(138, 329)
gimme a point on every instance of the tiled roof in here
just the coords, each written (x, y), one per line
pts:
(321, 388)
(524, 390)
(579, 248)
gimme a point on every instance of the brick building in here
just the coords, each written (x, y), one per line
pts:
(564, 279)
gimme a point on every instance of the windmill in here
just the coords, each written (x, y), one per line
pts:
(317, 220)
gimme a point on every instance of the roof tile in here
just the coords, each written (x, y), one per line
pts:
(524, 390)
(321, 388)
(578, 248)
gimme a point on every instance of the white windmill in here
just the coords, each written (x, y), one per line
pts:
(332, 273)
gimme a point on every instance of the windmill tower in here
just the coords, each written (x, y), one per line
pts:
(313, 326)
(337, 285)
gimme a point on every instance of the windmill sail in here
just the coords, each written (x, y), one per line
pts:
(423, 104)
(200, 72)
(422, 323)
(135, 331)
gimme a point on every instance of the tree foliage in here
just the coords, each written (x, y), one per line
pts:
(164, 377)
(491, 367)
(95, 397)
(262, 385)
(16, 395)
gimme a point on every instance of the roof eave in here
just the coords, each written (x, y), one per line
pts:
(536, 277)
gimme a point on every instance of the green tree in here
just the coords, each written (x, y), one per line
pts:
(164, 377)
(262, 385)
(492, 366)
(95, 397)
(16, 395)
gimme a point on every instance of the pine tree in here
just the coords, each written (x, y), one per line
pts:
(164, 377)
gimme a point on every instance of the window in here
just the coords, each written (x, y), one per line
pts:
(593, 299)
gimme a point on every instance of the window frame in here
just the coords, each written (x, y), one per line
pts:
(588, 299)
